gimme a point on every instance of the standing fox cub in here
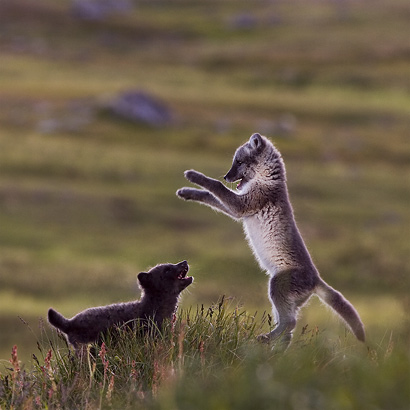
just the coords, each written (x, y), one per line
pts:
(262, 203)
(160, 286)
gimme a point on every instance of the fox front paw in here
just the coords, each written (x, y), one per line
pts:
(194, 176)
(189, 194)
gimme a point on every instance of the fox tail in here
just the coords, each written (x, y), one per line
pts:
(58, 320)
(343, 307)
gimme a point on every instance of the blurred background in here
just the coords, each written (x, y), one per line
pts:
(104, 104)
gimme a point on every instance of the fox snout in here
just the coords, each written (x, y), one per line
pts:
(232, 175)
(183, 264)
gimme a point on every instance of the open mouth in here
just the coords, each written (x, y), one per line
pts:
(183, 272)
(182, 276)
(240, 184)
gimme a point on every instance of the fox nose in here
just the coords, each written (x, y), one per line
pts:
(229, 177)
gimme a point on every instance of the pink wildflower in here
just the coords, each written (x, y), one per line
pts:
(102, 354)
(14, 359)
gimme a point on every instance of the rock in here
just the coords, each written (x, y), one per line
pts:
(99, 9)
(243, 21)
(141, 107)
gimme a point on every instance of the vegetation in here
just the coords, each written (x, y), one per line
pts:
(209, 359)
(87, 199)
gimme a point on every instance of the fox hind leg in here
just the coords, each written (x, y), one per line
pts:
(288, 294)
(285, 313)
(285, 317)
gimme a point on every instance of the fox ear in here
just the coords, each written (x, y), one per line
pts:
(256, 141)
(143, 278)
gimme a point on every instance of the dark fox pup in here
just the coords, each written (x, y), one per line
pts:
(161, 287)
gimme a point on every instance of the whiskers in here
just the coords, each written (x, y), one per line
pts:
(231, 185)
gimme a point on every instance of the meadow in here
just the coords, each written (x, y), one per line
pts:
(87, 199)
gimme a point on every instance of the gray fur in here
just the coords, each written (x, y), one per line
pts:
(261, 202)
(161, 287)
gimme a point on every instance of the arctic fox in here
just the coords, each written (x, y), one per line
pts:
(262, 203)
(160, 286)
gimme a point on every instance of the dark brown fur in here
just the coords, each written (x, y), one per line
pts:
(161, 287)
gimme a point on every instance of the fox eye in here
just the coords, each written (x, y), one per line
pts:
(239, 162)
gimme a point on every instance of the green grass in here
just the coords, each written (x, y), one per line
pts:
(208, 359)
(84, 208)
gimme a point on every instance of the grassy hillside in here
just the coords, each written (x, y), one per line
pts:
(87, 200)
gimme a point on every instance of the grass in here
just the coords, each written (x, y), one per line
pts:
(198, 359)
(87, 205)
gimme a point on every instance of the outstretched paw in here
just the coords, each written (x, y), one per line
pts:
(194, 176)
(187, 193)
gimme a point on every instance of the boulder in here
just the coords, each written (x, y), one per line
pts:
(141, 107)
(99, 9)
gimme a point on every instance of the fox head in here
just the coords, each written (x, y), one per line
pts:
(256, 160)
(166, 279)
